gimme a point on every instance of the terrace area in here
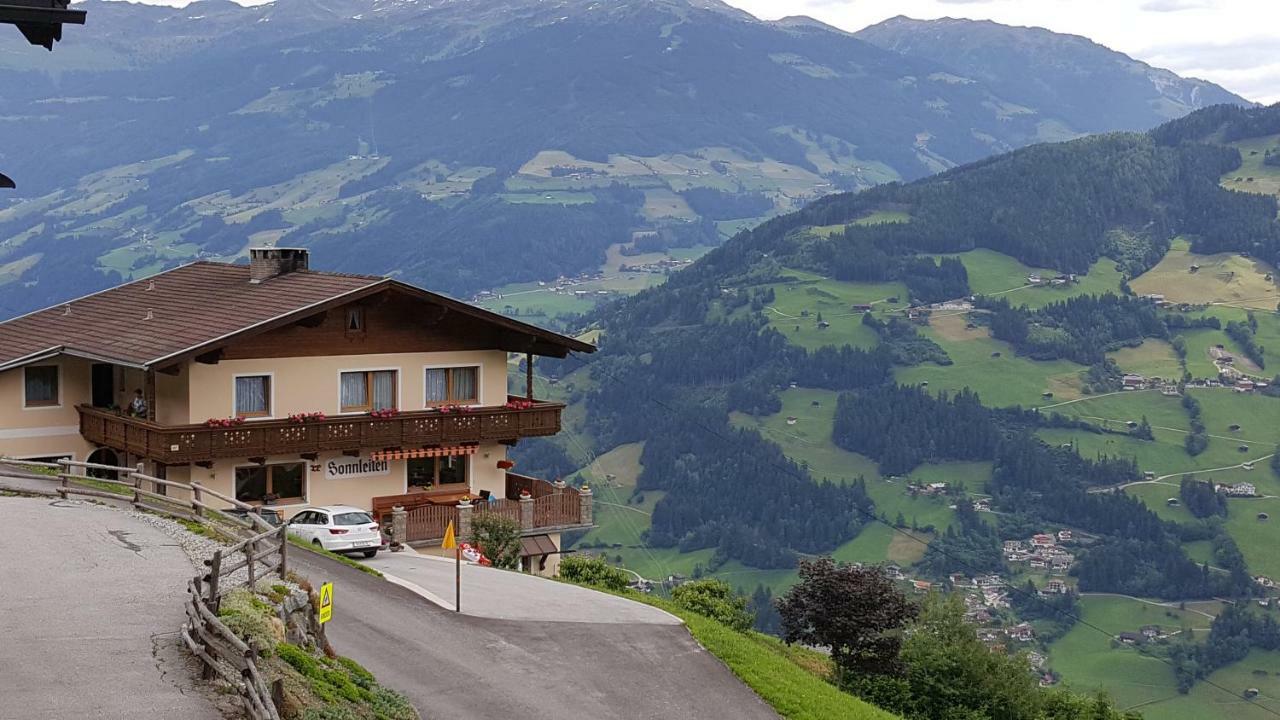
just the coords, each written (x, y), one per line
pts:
(537, 505)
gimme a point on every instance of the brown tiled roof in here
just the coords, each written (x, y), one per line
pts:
(146, 320)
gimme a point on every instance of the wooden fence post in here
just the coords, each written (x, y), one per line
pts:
(215, 569)
(136, 476)
(195, 499)
(284, 547)
(206, 670)
(248, 554)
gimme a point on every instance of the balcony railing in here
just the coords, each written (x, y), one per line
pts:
(549, 508)
(180, 444)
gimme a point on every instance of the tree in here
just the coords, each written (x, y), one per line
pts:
(856, 611)
(498, 538)
(949, 668)
(716, 600)
(949, 673)
(762, 606)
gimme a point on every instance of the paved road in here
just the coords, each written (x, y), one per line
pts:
(88, 597)
(458, 666)
(488, 593)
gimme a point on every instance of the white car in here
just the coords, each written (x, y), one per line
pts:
(338, 528)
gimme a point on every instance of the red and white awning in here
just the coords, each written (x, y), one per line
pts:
(450, 451)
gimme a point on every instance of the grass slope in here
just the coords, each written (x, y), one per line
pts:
(991, 368)
(834, 299)
(1086, 659)
(1221, 278)
(791, 679)
(1252, 175)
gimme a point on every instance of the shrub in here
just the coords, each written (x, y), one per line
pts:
(250, 618)
(590, 570)
(391, 705)
(498, 538)
(716, 600)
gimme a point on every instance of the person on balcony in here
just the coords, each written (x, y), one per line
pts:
(138, 408)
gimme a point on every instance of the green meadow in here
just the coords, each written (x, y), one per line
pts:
(798, 303)
(1087, 660)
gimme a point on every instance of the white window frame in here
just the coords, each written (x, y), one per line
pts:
(271, 395)
(306, 481)
(55, 406)
(450, 366)
(399, 387)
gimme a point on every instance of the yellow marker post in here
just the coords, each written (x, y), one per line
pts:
(326, 602)
(451, 543)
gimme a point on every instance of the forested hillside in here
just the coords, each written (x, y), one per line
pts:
(933, 373)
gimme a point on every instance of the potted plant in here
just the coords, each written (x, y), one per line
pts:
(506, 464)
(270, 499)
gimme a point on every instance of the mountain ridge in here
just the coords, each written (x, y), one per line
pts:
(417, 138)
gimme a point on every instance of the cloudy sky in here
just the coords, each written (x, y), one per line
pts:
(1235, 43)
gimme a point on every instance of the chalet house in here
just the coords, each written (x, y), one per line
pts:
(1042, 540)
(1055, 587)
(279, 385)
(1064, 536)
(1133, 382)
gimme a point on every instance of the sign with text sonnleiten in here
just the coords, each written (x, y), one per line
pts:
(349, 467)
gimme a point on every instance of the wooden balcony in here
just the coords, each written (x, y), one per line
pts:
(181, 444)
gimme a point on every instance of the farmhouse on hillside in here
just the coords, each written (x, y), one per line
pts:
(279, 385)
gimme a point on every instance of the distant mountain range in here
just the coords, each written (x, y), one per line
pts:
(466, 144)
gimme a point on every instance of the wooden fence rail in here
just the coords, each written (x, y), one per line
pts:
(262, 551)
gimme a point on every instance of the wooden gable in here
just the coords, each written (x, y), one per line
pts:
(389, 322)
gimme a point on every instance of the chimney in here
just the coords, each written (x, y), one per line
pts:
(266, 263)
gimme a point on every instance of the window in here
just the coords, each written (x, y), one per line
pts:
(279, 482)
(355, 320)
(443, 473)
(460, 385)
(352, 518)
(42, 386)
(253, 396)
(368, 390)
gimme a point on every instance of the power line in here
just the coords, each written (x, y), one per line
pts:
(872, 517)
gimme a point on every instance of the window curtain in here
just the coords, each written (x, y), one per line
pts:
(384, 389)
(42, 385)
(251, 395)
(353, 391)
(464, 384)
(437, 385)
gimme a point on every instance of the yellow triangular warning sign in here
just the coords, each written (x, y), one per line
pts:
(450, 542)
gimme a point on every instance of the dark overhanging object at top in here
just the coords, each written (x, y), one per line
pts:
(40, 20)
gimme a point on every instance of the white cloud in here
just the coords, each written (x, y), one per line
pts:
(1175, 5)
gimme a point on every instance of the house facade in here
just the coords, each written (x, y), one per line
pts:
(282, 386)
